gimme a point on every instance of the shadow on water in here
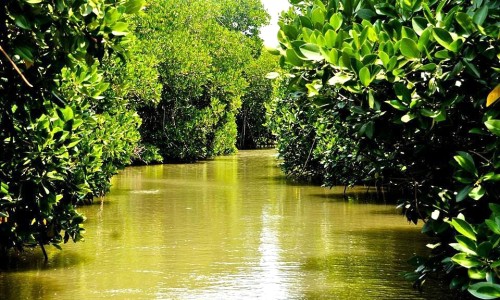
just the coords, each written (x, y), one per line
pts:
(39, 287)
(33, 260)
(356, 197)
(362, 273)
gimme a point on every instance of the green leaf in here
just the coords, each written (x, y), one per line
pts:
(386, 9)
(273, 51)
(57, 246)
(366, 13)
(471, 69)
(336, 21)
(397, 105)
(419, 25)
(484, 249)
(428, 67)
(119, 29)
(331, 56)
(495, 208)
(465, 261)
(468, 245)
(493, 226)
(407, 118)
(491, 177)
(367, 129)
(311, 52)
(339, 78)
(369, 59)
(407, 32)
(409, 48)
(476, 274)
(22, 22)
(480, 15)
(318, 16)
(465, 21)
(33, 1)
(290, 31)
(371, 99)
(25, 53)
(384, 57)
(463, 193)
(463, 177)
(133, 6)
(392, 63)
(493, 126)
(65, 114)
(477, 192)
(464, 228)
(292, 58)
(330, 37)
(428, 14)
(466, 162)
(365, 76)
(485, 290)
(442, 54)
(402, 92)
(456, 45)
(306, 22)
(443, 37)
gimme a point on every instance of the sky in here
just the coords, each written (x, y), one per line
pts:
(269, 33)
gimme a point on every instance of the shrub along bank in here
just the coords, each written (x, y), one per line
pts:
(64, 130)
(402, 94)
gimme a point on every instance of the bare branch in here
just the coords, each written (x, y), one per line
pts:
(15, 67)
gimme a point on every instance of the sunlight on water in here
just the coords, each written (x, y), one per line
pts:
(230, 228)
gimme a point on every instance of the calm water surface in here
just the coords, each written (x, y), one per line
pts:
(231, 228)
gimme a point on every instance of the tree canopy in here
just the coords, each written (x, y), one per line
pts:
(201, 53)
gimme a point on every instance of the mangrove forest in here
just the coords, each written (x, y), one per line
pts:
(139, 127)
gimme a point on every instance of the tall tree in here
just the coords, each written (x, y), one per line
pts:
(202, 48)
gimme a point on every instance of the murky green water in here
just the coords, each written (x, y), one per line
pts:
(231, 228)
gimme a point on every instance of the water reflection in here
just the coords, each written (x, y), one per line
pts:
(226, 229)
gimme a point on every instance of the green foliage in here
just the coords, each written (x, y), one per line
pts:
(294, 126)
(478, 252)
(201, 50)
(64, 131)
(251, 118)
(396, 95)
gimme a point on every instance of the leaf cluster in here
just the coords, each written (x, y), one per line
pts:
(394, 93)
(63, 131)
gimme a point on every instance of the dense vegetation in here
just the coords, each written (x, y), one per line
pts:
(402, 95)
(64, 131)
(251, 120)
(398, 94)
(79, 77)
(201, 54)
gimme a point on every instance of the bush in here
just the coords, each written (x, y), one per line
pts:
(398, 98)
(63, 134)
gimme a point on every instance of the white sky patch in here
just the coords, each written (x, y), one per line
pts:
(274, 8)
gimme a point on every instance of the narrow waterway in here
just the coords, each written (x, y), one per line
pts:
(230, 228)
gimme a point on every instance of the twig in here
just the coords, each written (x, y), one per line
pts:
(416, 204)
(16, 68)
(309, 156)
(481, 156)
